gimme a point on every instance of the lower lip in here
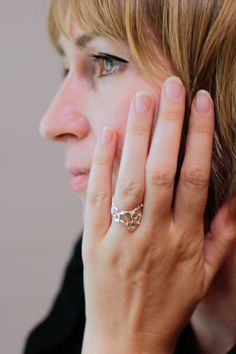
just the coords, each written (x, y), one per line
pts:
(79, 182)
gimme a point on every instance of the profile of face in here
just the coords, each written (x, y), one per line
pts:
(101, 80)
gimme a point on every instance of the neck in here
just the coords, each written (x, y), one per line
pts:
(214, 321)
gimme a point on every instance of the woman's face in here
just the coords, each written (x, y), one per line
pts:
(94, 94)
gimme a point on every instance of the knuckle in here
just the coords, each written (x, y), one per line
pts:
(101, 160)
(97, 198)
(171, 114)
(132, 189)
(201, 128)
(136, 129)
(184, 250)
(195, 177)
(161, 177)
(181, 251)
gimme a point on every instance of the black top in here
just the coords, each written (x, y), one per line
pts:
(62, 331)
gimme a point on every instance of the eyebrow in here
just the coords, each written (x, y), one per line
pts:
(80, 42)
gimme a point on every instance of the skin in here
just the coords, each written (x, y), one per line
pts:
(214, 320)
(79, 118)
(169, 242)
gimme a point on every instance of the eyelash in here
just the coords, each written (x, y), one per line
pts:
(102, 57)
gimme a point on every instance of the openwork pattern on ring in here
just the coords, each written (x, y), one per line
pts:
(130, 218)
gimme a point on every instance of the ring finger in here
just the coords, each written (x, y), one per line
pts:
(163, 155)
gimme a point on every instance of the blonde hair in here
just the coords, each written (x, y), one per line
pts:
(198, 39)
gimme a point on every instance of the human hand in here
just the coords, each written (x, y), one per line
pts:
(214, 319)
(142, 287)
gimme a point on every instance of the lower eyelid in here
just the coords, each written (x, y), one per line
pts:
(120, 67)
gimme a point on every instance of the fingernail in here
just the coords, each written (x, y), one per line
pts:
(143, 102)
(173, 88)
(106, 136)
(202, 102)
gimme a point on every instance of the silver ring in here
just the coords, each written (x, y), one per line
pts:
(130, 218)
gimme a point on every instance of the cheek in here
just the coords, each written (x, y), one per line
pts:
(121, 113)
(119, 123)
(117, 105)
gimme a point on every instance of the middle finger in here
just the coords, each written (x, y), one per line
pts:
(164, 151)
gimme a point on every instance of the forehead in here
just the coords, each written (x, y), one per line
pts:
(83, 41)
(102, 18)
(73, 35)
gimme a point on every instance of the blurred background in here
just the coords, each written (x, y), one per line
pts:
(40, 217)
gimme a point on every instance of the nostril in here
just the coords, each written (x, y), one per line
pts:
(64, 137)
(60, 138)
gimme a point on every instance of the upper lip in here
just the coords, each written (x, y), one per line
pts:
(76, 171)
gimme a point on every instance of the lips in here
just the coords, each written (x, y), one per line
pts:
(76, 171)
(79, 177)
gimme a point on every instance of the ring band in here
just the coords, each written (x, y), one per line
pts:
(130, 218)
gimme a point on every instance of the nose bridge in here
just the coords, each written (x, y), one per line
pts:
(66, 113)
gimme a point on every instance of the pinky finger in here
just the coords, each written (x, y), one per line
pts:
(99, 192)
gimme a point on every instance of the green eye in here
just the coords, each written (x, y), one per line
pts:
(105, 65)
(108, 64)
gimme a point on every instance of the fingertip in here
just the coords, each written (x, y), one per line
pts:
(220, 218)
(173, 88)
(203, 103)
(143, 102)
(225, 217)
(106, 136)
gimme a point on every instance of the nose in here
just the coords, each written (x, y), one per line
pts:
(65, 116)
